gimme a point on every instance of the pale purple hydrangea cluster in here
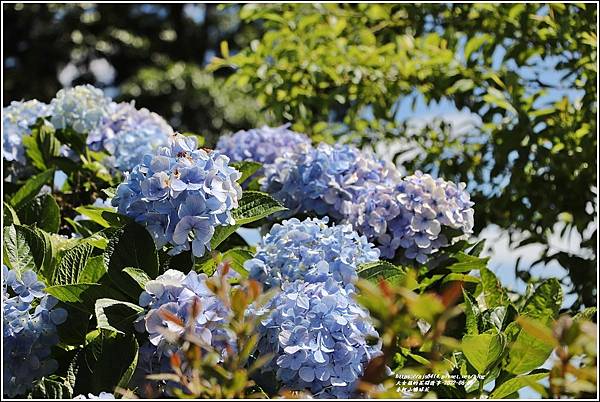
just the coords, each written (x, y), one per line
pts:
(309, 250)
(174, 293)
(17, 118)
(180, 194)
(82, 108)
(262, 145)
(29, 320)
(321, 338)
(127, 134)
(417, 214)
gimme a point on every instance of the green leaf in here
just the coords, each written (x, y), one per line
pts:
(377, 270)
(10, 215)
(72, 264)
(83, 296)
(545, 302)
(221, 234)
(483, 350)
(493, 292)
(515, 384)
(246, 168)
(255, 205)
(467, 263)
(41, 146)
(30, 189)
(237, 257)
(527, 353)
(586, 314)
(94, 270)
(139, 276)
(471, 314)
(131, 246)
(116, 315)
(52, 388)
(41, 211)
(18, 252)
(94, 213)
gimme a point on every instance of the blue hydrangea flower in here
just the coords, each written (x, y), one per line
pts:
(81, 108)
(326, 179)
(309, 250)
(320, 337)
(180, 194)
(29, 318)
(175, 292)
(101, 395)
(127, 134)
(262, 145)
(17, 118)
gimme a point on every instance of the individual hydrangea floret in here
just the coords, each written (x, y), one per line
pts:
(29, 317)
(310, 250)
(321, 339)
(82, 108)
(262, 145)
(127, 134)
(180, 194)
(17, 118)
(101, 395)
(326, 179)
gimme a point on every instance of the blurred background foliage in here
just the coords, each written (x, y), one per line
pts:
(354, 73)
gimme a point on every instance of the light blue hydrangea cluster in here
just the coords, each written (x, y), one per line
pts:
(180, 194)
(309, 250)
(29, 318)
(17, 118)
(320, 337)
(82, 108)
(127, 134)
(417, 214)
(325, 179)
(101, 395)
(262, 145)
(174, 293)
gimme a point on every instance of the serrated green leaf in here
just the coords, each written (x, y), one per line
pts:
(41, 211)
(255, 205)
(49, 388)
(41, 146)
(493, 292)
(131, 246)
(18, 253)
(483, 350)
(527, 353)
(466, 263)
(545, 302)
(221, 234)
(83, 296)
(139, 276)
(471, 314)
(10, 215)
(30, 189)
(116, 315)
(246, 168)
(94, 213)
(72, 264)
(94, 270)
(377, 270)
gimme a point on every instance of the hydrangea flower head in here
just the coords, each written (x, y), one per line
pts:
(82, 108)
(180, 194)
(101, 395)
(262, 145)
(174, 293)
(127, 134)
(17, 118)
(310, 250)
(320, 338)
(326, 179)
(29, 317)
